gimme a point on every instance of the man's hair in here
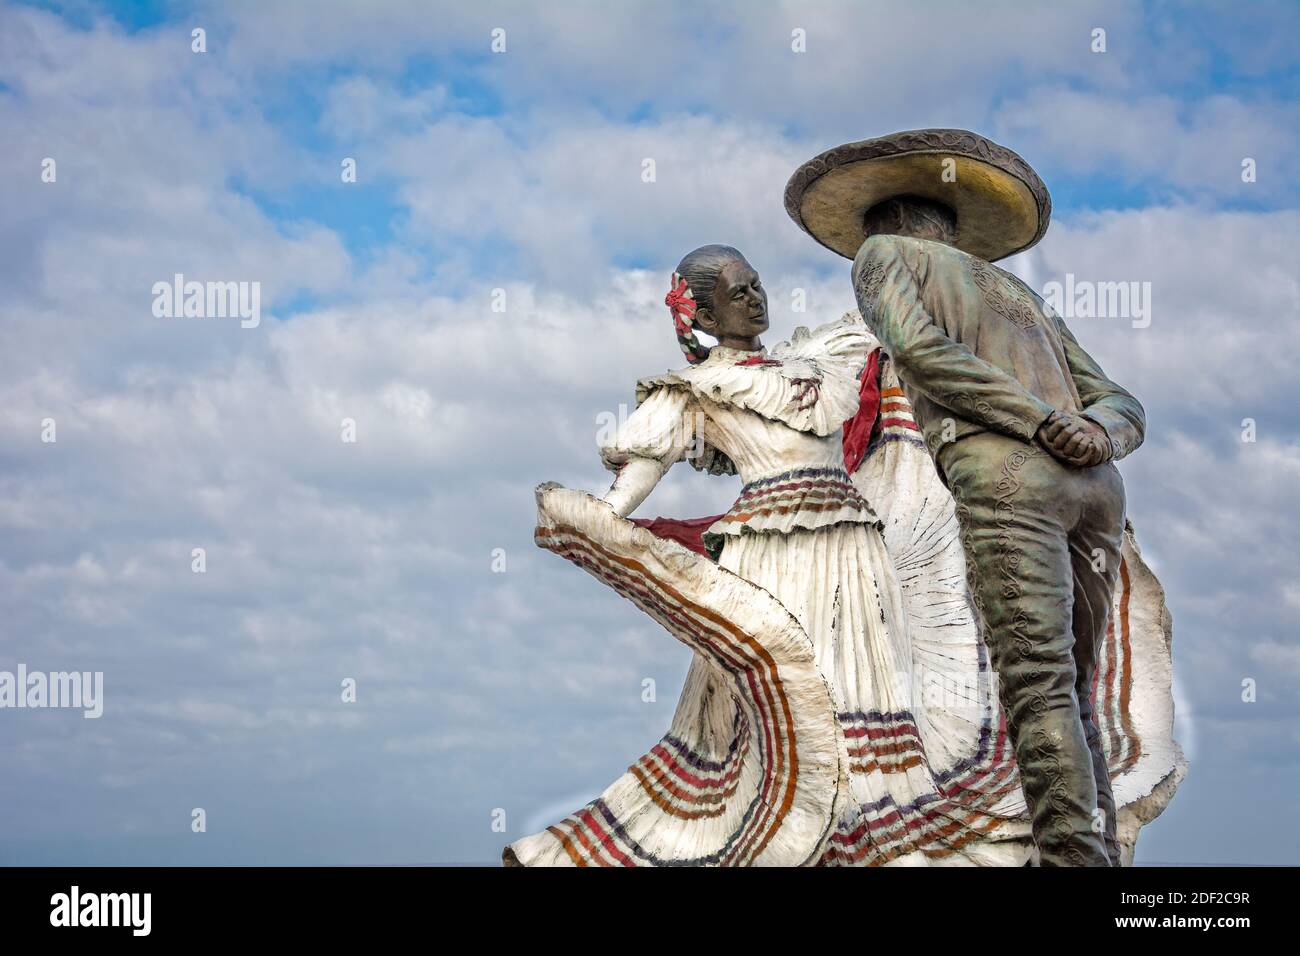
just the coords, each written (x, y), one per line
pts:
(911, 216)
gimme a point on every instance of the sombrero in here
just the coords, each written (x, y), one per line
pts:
(1002, 206)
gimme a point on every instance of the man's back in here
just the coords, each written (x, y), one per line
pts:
(977, 350)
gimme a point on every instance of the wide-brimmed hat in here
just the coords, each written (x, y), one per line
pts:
(1002, 206)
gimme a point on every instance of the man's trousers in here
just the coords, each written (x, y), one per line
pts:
(1042, 543)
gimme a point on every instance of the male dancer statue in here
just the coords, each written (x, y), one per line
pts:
(1023, 426)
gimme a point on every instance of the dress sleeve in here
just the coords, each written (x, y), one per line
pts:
(846, 344)
(843, 344)
(662, 429)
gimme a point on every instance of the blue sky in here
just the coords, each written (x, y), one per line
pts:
(521, 690)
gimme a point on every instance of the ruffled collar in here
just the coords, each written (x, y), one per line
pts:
(724, 355)
(809, 383)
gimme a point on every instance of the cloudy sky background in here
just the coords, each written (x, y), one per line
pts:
(522, 690)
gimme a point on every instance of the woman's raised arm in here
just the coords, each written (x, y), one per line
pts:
(635, 480)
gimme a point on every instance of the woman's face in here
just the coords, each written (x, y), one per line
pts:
(738, 315)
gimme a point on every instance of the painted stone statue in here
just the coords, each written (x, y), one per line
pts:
(840, 708)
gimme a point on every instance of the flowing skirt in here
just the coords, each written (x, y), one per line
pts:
(840, 708)
(919, 786)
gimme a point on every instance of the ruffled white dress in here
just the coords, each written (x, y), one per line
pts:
(840, 709)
